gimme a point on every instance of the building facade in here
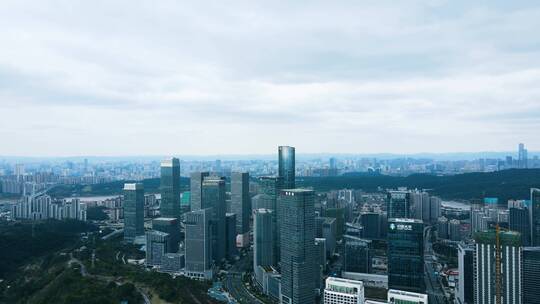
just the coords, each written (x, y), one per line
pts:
(157, 245)
(133, 211)
(196, 180)
(531, 274)
(398, 204)
(464, 288)
(406, 255)
(198, 244)
(535, 217)
(357, 255)
(297, 246)
(263, 238)
(170, 226)
(286, 166)
(241, 202)
(343, 291)
(170, 188)
(485, 267)
(213, 196)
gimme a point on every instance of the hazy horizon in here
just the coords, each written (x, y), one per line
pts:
(299, 155)
(201, 78)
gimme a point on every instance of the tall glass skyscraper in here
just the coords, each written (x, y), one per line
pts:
(170, 226)
(518, 221)
(298, 255)
(531, 274)
(406, 254)
(196, 180)
(170, 188)
(199, 244)
(535, 217)
(133, 211)
(213, 196)
(465, 286)
(270, 187)
(240, 201)
(286, 166)
(398, 204)
(263, 238)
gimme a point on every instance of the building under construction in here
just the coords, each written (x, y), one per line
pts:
(497, 262)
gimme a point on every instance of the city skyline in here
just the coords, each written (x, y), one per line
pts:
(437, 76)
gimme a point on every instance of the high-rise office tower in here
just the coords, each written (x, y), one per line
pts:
(133, 211)
(398, 204)
(241, 203)
(263, 238)
(297, 246)
(230, 233)
(320, 247)
(464, 288)
(357, 255)
(333, 170)
(170, 226)
(213, 196)
(196, 180)
(406, 254)
(157, 245)
(519, 221)
(199, 244)
(270, 187)
(435, 208)
(372, 226)
(338, 213)
(485, 267)
(426, 208)
(416, 204)
(286, 166)
(535, 217)
(343, 291)
(170, 188)
(531, 275)
(522, 156)
(329, 232)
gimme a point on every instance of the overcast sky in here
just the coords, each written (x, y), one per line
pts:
(234, 77)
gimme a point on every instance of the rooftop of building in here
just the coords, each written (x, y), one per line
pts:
(165, 219)
(170, 162)
(405, 220)
(296, 190)
(395, 292)
(133, 186)
(507, 238)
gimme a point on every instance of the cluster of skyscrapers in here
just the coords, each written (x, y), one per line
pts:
(502, 264)
(292, 239)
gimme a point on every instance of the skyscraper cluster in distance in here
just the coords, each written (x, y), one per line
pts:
(337, 238)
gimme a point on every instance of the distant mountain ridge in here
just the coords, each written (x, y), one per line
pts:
(505, 184)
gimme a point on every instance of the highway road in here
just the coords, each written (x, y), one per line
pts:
(234, 284)
(433, 286)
